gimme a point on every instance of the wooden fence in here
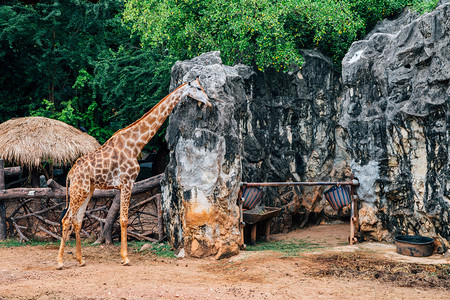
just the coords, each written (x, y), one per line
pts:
(29, 213)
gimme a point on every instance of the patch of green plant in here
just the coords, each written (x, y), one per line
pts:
(342, 243)
(157, 249)
(10, 243)
(290, 248)
(424, 6)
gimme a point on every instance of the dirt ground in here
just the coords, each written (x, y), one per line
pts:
(335, 271)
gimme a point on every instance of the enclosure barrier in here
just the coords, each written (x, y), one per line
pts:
(50, 226)
(353, 184)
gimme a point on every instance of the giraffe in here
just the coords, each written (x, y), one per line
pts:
(114, 165)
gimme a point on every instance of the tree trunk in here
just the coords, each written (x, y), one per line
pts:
(113, 213)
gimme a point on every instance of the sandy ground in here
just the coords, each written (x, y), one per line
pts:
(29, 273)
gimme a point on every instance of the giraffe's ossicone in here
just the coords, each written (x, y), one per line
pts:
(114, 166)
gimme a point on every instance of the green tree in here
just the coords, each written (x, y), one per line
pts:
(44, 46)
(330, 26)
(74, 60)
(372, 11)
(245, 31)
(263, 33)
(129, 82)
(18, 53)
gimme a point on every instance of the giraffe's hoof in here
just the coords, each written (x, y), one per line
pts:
(60, 266)
(82, 263)
(126, 262)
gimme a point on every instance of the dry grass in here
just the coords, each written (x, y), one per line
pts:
(365, 266)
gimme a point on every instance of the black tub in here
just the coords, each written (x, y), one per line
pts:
(414, 245)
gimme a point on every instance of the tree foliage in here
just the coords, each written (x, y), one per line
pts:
(330, 26)
(73, 60)
(76, 61)
(129, 82)
(245, 31)
(263, 33)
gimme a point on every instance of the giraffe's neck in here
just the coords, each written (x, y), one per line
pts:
(139, 133)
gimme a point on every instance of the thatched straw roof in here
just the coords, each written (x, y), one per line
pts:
(32, 140)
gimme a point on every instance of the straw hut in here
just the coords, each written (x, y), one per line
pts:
(31, 141)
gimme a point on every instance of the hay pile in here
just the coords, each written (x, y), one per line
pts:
(359, 265)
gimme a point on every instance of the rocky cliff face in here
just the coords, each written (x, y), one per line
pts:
(263, 127)
(202, 179)
(288, 134)
(385, 119)
(395, 112)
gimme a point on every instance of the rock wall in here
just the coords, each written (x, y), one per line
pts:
(395, 112)
(263, 127)
(202, 179)
(385, 119)
(288, 133)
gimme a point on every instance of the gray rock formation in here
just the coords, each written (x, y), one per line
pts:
(202, 179)
(269, 126)
(396, 114)
(288, 133)
(387, 122)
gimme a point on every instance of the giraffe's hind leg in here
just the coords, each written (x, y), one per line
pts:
(66, 224)
(73, 219)
(77, 223)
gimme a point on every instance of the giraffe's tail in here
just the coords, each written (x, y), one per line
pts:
(67, 191)
(64, 211)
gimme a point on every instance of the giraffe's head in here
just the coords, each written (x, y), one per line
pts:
(194, 90)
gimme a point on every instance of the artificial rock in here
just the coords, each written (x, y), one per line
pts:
(202, 179)
(395, 111)
(385, 119)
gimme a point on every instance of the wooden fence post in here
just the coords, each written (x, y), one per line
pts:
(160, 218)
(2, 203)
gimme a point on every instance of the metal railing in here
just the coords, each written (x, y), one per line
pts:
(353, 183)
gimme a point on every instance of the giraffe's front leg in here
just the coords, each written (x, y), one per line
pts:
(60, 255)
(125, 194)
(124, 246)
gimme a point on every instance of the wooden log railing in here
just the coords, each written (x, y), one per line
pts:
(13, 171)
(55, 190)
(26, 220)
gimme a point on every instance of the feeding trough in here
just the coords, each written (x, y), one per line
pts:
(414, 245)
(259, 215)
